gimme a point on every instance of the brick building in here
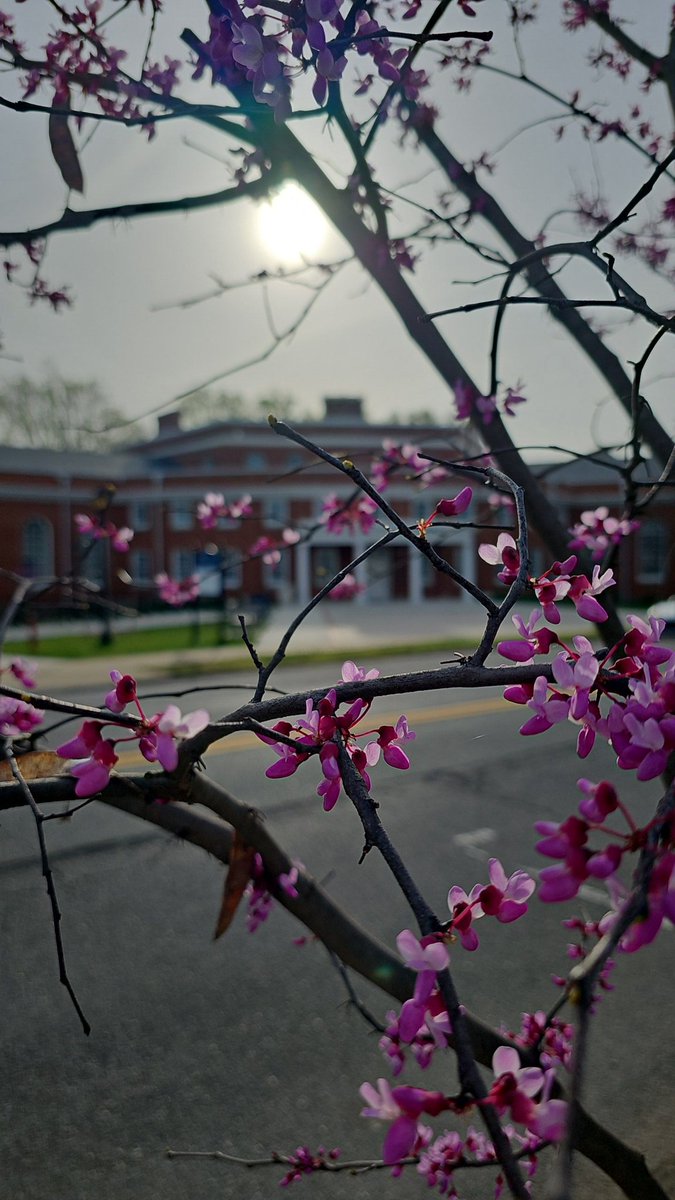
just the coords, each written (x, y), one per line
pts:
(160, 482)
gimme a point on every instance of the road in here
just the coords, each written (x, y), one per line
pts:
(248, 1044)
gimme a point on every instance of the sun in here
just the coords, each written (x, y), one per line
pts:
(291, 225)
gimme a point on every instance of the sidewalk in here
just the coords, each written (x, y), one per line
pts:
(343, 628)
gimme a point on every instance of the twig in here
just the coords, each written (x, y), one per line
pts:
(346, 467)
(354, 1000)
(39, 819)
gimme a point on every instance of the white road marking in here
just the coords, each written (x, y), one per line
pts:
(472, 842)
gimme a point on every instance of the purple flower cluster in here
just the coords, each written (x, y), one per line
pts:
(17, 717)
(396, 456)
(177, 592)
(596, 531)
(158, 737)
(99, 529)
(339, 515)
(320, 729)
(213, 508)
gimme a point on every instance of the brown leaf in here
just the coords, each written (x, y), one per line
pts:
(63, 148)
(238, 875)
(37, 764)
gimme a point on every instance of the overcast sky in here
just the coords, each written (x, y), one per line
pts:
(127, 330)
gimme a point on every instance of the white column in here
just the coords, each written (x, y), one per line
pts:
(302, 581)
(360, 572)
(415, 579)
(467, 559)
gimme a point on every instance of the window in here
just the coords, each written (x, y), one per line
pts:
(653, 549)
(93, 563)
(233, 570)
(140, 566)
(37, 548)
(183, 563)
(181, 516)
(275, 511)
(255, 462)
(275, 575)
(140, 515)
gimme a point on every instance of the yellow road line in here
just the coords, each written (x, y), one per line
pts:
(422, 716)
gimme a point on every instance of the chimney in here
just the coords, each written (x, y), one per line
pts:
(344, 410)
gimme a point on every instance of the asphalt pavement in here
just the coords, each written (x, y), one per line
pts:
(249, 1044)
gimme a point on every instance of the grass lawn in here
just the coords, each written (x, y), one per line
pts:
(181, 638)
(137, 641)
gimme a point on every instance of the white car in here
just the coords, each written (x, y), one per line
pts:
(665, 609)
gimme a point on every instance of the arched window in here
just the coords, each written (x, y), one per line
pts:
(37, 548)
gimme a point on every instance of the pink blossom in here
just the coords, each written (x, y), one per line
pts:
(403, 1106)
(511, 400)
(549, 593)
(548, 710)
(405, 455)
(505, 898)
(177, 592)
(258, 899)
(465, 399)
(339, 515)
(505, 552)
(213, 507)
(582, 594)
(514, 1085)
(210, 509)
(596, 531)
(661, 906)
(486, 406)
(321, 729)
(266, 549)
(416, 1015)
(447, 508)
(600, 800)
(172, 727)
(426, 955)
(390, 738)
(346, 589)
(552, 1037)
(17, 717)
(289, 761)
(464, 910)
(514, 1090)
(305, 1162)
(83, 743)
(287, 881)
(353, 674)
(120, 538)
(87, 524)
(533, 641)
(24, 671)
(580, 676)
(99, 529)
(568, 842)
(328, 69)
(93, 774)
(123, 693)
(458, 504)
